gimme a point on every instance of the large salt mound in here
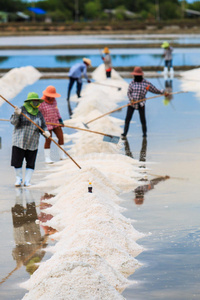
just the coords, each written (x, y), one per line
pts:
(95, 245)
(190, 81)
(114, 254)
(72, 281)
(114, 278)
(15, 80)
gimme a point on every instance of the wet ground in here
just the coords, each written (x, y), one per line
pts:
(169, 209)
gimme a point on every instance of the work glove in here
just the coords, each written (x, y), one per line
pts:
(47, 134)
(61, 122)
(17, 110)
(89, 81)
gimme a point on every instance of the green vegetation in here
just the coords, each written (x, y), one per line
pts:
(89, 10)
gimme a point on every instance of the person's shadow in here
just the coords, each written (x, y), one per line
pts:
(28, 238)
(141, 190)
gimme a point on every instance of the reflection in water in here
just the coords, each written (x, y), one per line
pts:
(149, 185)
(43, 217)
(69, 58)
(27, 235)
(141, 190)
(3, 58)
(168, 89)
(142, 151)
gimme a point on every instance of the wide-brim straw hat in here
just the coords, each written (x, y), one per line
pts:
(106, 50)
(87, 61)
(33, 96)
(51, 92)
(137, 71)
(165, 45)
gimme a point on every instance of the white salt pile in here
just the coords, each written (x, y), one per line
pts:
(15, 80)
(96, 247)
(190, 81)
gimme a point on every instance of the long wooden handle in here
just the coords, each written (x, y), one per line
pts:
(107, 85)
(78, 128)
(134, 102)
(43, 132)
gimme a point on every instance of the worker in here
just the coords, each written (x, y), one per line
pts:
(107, 62)
(75, 74)
(137, 91)
(51, 114)
(26, 135)
(168, 66)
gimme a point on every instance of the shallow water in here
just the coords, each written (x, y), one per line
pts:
(100, 39)
(170, 211)
(120, 57)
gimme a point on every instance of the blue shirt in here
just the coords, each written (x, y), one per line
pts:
(77, 70)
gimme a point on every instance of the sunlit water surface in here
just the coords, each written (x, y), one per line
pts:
(170, 211)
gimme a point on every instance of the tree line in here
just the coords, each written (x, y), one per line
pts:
(89, 10)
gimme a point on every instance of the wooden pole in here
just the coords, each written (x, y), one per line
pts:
(132, 102)
(43, 132)
(78, 128)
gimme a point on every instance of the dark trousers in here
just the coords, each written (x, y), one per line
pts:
(108, 74)
(129, 114)
(78, 87)
(18, 155)
(168, 63)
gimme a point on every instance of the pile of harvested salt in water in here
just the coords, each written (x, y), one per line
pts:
(96, 248)
(17, 79)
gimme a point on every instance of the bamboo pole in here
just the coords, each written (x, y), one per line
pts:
(132, 102)
(78, 128)
(43, 132)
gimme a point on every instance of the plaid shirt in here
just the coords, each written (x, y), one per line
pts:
(50, 113)
(137, 91)
(26, 134)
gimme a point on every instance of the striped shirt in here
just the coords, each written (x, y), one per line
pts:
(26, 134)
(137, 91)
(50, 113)
(168, 53)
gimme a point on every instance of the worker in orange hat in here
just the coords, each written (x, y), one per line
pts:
(107, 62)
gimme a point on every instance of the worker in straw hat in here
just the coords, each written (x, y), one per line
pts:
(75, 74)
(167, 58)
(107, 61)
(137, 91)
(26, 135)
(50, 111)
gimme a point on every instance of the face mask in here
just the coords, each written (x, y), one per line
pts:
(35, 104)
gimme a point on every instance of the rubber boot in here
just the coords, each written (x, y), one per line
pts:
(28, 175)
(47, 156)
(18, 181)
(171, 72)
(62, 154)
(165, 70)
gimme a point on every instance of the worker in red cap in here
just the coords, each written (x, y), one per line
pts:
(137, 91)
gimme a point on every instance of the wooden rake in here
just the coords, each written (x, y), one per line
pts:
(132, 102)
(118, 88)
(43, 132)
(107, 137)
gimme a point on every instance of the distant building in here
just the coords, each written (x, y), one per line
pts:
(190, 13)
